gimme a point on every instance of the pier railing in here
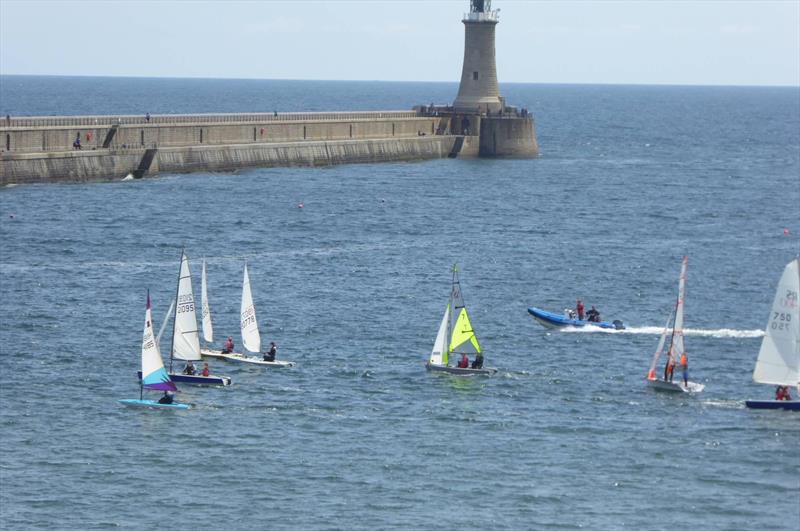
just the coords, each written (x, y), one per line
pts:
(171, 119)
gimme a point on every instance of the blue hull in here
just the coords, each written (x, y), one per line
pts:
(554, 320)
(132, 402)
(791, 405)
(196, 379)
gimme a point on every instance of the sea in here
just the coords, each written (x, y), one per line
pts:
(350, 268)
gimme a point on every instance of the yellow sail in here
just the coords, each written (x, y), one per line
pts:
(463, 337)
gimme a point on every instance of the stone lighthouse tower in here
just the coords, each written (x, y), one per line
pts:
(478, 91)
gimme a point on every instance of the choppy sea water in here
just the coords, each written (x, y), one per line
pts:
(352, 287)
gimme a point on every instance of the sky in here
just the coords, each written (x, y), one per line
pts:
(683, 42)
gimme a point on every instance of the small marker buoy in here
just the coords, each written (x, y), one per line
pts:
(11, 216)
(785, 232)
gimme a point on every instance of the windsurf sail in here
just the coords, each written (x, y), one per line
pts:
(778, 360)
(208, 329)
(651, 374)
(251, 339)
(439, 354)
(153, 374)
(185, 339)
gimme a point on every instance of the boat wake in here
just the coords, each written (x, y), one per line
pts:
(724, 333)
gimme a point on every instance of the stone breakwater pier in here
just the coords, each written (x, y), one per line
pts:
(479, 123)
(45, 149)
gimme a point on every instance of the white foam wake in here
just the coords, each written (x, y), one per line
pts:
(656, 330)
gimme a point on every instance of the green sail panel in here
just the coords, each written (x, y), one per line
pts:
(463, 337)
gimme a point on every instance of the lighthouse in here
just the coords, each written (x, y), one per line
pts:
(478, 91)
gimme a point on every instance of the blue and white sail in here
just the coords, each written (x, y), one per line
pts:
(154, 376)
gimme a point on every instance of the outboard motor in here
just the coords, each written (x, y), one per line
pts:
(618, 325)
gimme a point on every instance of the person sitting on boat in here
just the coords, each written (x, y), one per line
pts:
(168, 398)
(593, 315)
(579, 308)
(205, 370)
(189, 369)
(228, 348)
(669, 368)
(464, 363)
(685, 369)
(272, 352)
(782, 393)
(478, 363)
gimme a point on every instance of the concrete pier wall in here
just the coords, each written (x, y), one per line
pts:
(512, 136)
(105, 165)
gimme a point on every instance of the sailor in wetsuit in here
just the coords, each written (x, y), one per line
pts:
(273, 351)
(166, 399)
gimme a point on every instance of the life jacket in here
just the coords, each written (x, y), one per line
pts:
(684, 361)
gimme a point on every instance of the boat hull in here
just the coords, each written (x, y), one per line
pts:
(488, 371)
(676, 387)
(152, 404)
(554, 320)
(254, 360)
(212, 354)
(791, 405)
(196, 379)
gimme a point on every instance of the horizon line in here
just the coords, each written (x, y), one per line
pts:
(579, 83)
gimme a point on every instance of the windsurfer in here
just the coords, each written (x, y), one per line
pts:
(464, 363)
(478, 363)
(782, 393)
(669, 368)
(685, 369)
(228, 348)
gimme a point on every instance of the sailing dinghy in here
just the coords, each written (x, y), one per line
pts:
(185, 341)
(455, 336)
(778, 360)
(153, 368)
(676, 347)
(251, 338)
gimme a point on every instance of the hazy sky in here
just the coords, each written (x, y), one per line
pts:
(643, 42)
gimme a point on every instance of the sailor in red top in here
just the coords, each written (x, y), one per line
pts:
(464, 363)
(782, 393)
(579, 309)
(205, 369)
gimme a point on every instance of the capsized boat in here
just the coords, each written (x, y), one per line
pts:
(778, 360)
(185, 345)
(251, 338)
(455, 336)
(554, 320)
(676, 347)
(153, 368)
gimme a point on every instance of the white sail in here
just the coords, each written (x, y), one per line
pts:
(439, 352)
(208, 329)
(659, 350)
(677, 332)
(185, 339)
(779, 357)
(251, 339)
(153, 374)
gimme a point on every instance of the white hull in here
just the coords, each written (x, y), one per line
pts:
(487, 371)
(212, 353)
(676, 386)
(253, 360)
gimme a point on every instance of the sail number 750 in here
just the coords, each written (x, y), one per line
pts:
(780, 321)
